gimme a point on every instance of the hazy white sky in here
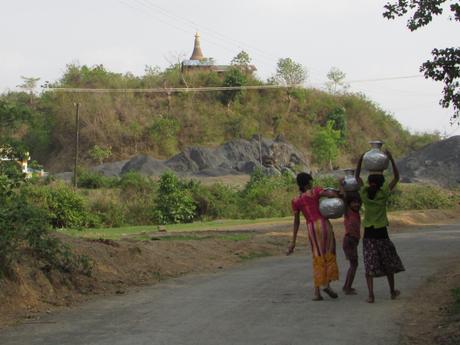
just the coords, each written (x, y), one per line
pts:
(38, 38)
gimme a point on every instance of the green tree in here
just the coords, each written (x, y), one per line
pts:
(100, 154)
(337, 116)
(336, 80)
(29, 85)
(445, 66)
(234, 77)
(164, 132)
(324, 145)
(174, 203)
(241, 59)
(289, 72)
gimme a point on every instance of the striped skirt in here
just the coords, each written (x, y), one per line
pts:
(322, 241)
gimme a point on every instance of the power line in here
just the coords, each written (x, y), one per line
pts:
(207, 89)
(153, 8)
(171, 90)
(211, 31)
(384, 79)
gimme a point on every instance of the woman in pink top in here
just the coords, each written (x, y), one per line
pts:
(320, 234)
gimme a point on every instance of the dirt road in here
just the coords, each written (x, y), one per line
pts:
(266, 302)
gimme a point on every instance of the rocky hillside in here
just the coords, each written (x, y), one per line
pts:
(238, 156)
(437, 163)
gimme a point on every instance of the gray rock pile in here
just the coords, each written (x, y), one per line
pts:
(238, 156)
(437, 163)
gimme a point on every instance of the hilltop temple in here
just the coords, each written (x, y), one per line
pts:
(198, 62)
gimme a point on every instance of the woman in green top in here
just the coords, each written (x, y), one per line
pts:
(380, 256)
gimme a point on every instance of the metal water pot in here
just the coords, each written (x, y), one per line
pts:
(375, 159)
(331, 208)
(350, 184)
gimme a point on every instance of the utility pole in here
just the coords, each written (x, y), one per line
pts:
(77, 142)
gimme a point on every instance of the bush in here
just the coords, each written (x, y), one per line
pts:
(138, 196)
(132, 183)
(267, 196)
(420, 197)
(94, 180)
(64, 207)
(217, 201)
(23, 224)
(110, 211)
(174, 204)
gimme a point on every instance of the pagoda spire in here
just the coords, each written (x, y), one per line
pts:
(197, 53)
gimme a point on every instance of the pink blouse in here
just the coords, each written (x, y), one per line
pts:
(308, 205)
(352, 223)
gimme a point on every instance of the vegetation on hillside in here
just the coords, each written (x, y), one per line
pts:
(116, 126)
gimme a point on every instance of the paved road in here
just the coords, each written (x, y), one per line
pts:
(264, 302)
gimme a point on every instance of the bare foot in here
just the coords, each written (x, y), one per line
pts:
(395, 294)
(350, 291)
(330, 292)
(317, 298)
(370, 299)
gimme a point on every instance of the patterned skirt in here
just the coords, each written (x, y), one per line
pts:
(380, 257)
(322, 241)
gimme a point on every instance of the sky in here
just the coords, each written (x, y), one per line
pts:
(39, 38)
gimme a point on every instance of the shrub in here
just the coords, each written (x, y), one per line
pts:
(419, 197)
(132, 183)
(138, 196)
(267, 196)
(94, 180)
(64, 207)
(23, 224)
(217, 201)
(174, 204)
(111, 211)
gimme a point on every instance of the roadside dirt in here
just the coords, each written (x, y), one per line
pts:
(432, 317)
(132, 262)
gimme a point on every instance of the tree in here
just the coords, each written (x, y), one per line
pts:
(100, 154)
(29, 84)
(336, 79)
(234, 77)
(241, 59)
(325, 145)
(445, 66)
(289, 72)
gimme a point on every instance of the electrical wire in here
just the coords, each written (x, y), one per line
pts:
(172, 90)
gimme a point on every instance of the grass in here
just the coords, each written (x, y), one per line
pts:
(118, 233)
(230, 237)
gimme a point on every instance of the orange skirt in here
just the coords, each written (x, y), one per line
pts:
(322, 242)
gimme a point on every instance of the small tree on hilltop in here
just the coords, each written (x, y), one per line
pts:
(336, 80)
(289, 72)
(241, 59)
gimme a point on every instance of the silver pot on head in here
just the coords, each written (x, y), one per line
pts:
(375, 160)
(350, 184)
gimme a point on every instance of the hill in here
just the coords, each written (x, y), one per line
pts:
(123, 125)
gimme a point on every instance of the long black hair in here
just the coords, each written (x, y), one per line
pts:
(376, 182)
(304, 181)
